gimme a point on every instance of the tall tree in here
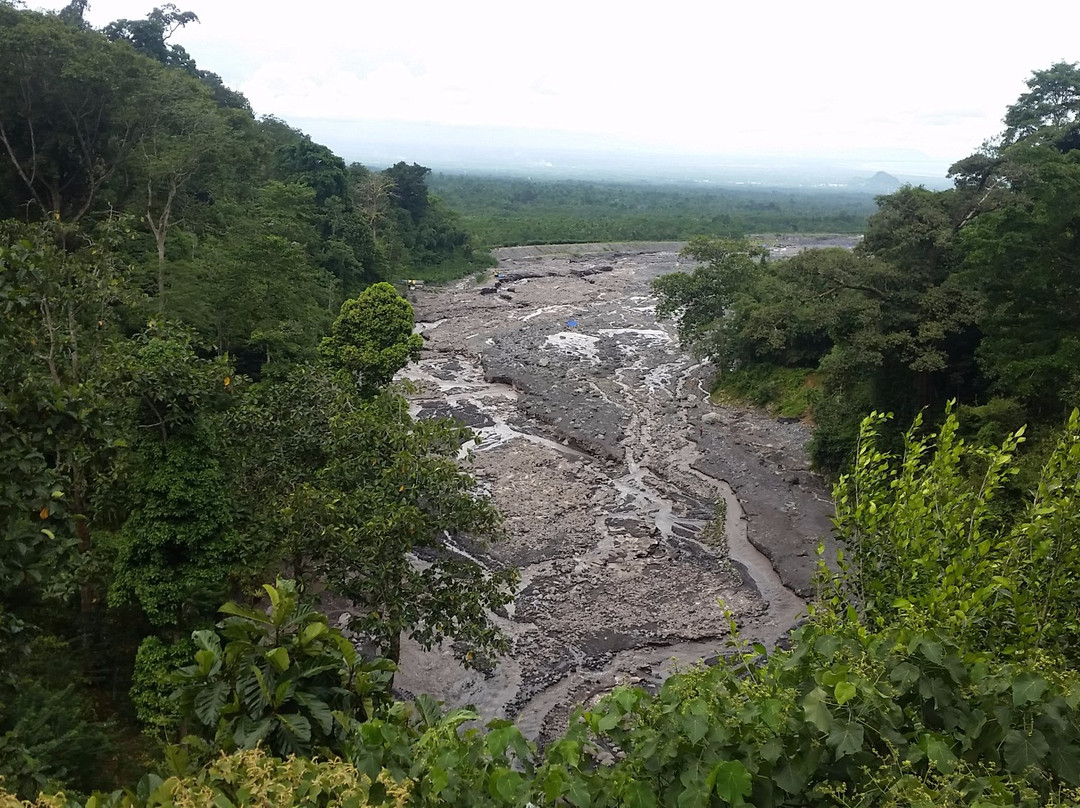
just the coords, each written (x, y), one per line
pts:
(72, 110)
(185, 140)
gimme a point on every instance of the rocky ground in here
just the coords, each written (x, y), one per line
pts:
(638, 512)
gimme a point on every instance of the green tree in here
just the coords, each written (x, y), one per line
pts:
(408, 184)
(1050, 110)
(151, 36)
(375, 506)
(1024, 257)
(177, 547)
(73, 107)
(701, 299)
(182, 148)
(372, 338)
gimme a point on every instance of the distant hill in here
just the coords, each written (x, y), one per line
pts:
(882, 182)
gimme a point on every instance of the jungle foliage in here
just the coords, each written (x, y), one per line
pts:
(963, 693)
(966, 294)
(195, 394)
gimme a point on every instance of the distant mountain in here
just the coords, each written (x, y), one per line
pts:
(882, 182)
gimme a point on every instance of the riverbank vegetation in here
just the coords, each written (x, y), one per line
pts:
(195, 400)
(967, 294)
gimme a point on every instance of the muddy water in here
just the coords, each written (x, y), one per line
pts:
(600, 447)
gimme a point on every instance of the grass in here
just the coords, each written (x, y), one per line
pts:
(787, 392)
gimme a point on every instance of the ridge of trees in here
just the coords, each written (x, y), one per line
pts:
(930, 672)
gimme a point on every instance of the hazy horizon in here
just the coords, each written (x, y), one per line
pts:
(839, 85)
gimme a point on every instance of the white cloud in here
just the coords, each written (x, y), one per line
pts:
(779, 76)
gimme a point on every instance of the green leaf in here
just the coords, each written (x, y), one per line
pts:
(905, 675)
(932, 650)
(771, 750)
(694, 727)
(1028, 687)
(609, 720)
(1065, 761)
(498, 739)
(772, 713)
(237, 610)
(296, 724)
(637, 795)
(504, 784)
(437, 779)
(732, 781)
(695, 794)
(312, 631)
(938, 751)
(279, 657)
(793, 772)
(317, 709)
(247, 732)
(578, 793)
(827, 645)
(1022, 751)
(844, 692)
(209, 700)
(816, 709)
(846, 739)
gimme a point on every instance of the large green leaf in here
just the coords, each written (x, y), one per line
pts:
(247, 733)
(905, 675)
(815, 707)
(694, 727)
(296, 725)
(844, 692)
(1028, 687)
(938, 751)
(504, 784)
(846, 739)
(208, 702)
(637, 795)
(1065, 761)
(245, 612)
(1023, 750)
(317, 709)
(279, 657)
(732, 781)
(793, 772)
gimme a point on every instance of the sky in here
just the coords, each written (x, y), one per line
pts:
(925, 81)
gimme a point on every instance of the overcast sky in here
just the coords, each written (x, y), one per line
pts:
(682, 76)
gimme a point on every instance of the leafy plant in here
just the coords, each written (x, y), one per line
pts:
(281, 678)
(926, 537)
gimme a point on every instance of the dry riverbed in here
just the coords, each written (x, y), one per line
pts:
(636, 511)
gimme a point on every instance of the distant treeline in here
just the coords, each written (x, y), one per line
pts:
(503, 211)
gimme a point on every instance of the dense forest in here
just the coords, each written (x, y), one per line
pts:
(196, 400)
(503, 211)
(197, 348)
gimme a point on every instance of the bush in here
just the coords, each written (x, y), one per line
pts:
(152, 686)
